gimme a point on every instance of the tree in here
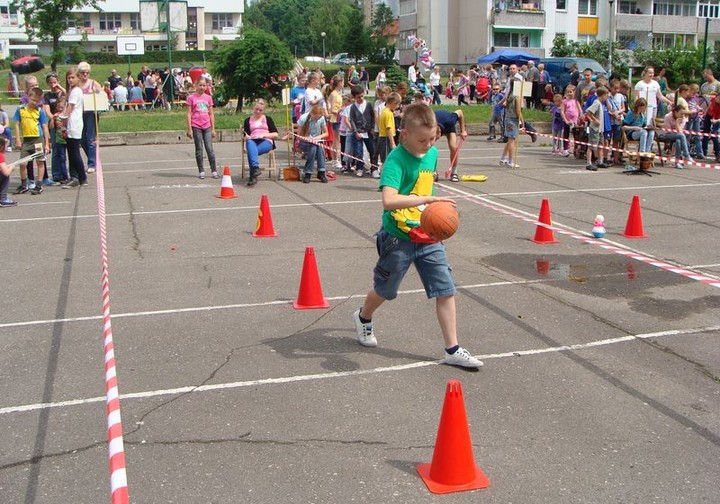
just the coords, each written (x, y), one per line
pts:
(357, 36)
(394, 75)
(599, 50)
(683, 63)
(383, 16)
(249, 66)
(562, 47)
(48, 20)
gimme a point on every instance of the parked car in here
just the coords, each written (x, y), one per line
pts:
(559, 69)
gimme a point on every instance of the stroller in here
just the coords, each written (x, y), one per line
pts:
(421, 85)
(482, 90)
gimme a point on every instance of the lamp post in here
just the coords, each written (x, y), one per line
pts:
(323, 39)
(612, 38)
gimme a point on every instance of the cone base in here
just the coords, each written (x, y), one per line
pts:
(227, 197)
(298, 306)
(632, 236)
(480, 481)
(544, 242)
(272, 235)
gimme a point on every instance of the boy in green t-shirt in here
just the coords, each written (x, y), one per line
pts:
(407, 187)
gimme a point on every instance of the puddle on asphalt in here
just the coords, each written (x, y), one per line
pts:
(606, 277)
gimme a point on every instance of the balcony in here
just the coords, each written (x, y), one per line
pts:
(658, 24)
(523, 15)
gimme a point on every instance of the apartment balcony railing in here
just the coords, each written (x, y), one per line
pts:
(529, 15)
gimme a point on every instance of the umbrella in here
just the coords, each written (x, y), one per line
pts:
(507, 57)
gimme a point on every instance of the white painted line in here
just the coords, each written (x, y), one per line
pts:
(244, 305)
(326, 376)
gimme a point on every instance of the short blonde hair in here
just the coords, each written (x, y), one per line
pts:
(83, 66)
(418, 115)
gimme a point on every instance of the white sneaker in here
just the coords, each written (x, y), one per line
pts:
(678, 166)
(376, 174)
(201, 176)
(462, 358)
(359, 172)
(365, 332)
(91, 170)
(337, 164)
(503, 161)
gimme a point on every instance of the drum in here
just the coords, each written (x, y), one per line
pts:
(647, 161)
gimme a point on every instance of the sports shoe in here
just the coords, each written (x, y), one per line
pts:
(90, 169)
(503, 161)
(454, 178)
(322, 178)
(214, 174)
(364, 331)
(565, 153)
(462, 358)
(491, 138)
(306, 178)
(337, 164)
(603, 164)
(21, 189)
(8, 203)
(84, 183)
(590, 167)
(72, 183)
(201, 176)
(49, 182)
(37, 189)
(533, 137)
(9, 149)
(252, 181)
(375, 174)
(679, 166)
(360, 172)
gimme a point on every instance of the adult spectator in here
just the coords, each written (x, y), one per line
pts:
(364, 79)
(649, 89)
(574, 75)
(533, 77)
(380, 80)
(436, 87)
(144, 72)
(120, 96)
(150, 85)
(472, 76)
(584, 86)
(129, 81)
(89, 130)
(54, 105)
(114, 79)
(710, 87)
(412, 73)
(543, 80)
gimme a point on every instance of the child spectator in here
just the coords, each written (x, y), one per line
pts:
(55, 99)
(362, 122)
(201, 126)
(712, 115)
(31, 128)
(334, 105)
(634, 126)
(596, 128)
(447, 122)
(343, 129)
(313, 130)
(672, 124)
(313, 96)
(386, 126)
(696, 105)
(261, 133)
(571, 115)
(463, 88)
(73, 129)
(5, 125)
(497, 111)
(5, 172)
(407, 186)
(617, 108)
(558, 124)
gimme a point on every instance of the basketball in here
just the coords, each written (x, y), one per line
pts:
(439, 220)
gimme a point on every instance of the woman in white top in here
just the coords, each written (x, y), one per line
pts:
(435, 84)
(412, 73)
(649, 90)
(380, 80)
(74, 116)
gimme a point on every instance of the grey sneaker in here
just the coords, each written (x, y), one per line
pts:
(364, 331)
(201, 176)
(462, 358)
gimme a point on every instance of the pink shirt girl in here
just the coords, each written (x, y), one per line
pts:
(199, 105)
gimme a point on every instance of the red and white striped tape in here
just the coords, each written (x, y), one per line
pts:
(624, 151)
(691, 133)
(714, 282)
(116, 451)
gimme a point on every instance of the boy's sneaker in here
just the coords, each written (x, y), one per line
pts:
(565, 153)
(201, 176)
(590, 167)
(454, 178)
(72, 183)
(376, 174)
(91, 170)
(7, 203)
(214, 174)
(21, 189)
(360, 172)
(364, 331)
(322, 178)
(679, 166)
(603, 164)
(50, 182)
(37, 189)
(503, 161)
(306, 178)
(462, 358)
(491, 138)
(84, 183)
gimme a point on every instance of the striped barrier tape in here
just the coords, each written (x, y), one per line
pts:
(116, 451)
(691, 133)
(625, 151)
(477, 199)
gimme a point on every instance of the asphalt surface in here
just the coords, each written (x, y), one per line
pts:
(602, 372)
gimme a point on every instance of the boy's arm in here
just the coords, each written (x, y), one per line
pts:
(5, 169)
(18, 137)
(461, 121)
(393, 200)
(46, 132)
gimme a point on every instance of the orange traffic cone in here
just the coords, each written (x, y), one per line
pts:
(453, 466)
(226, 190)
(544, 235)
(634, 226)
(310, 294)
(264, 227)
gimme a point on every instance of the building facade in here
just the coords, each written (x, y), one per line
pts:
(207, 20)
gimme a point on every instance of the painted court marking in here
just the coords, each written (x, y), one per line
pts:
(341, 374)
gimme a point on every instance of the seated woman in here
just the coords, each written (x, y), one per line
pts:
(261, 133)
(674, 121)
(634, 126)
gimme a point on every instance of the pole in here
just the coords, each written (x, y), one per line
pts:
(707, 24)
(169, 46)
(612, 40)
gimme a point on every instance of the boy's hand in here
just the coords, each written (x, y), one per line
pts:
(18, 144)
(463, 134)
(433, 199)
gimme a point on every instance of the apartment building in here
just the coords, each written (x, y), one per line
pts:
(207, 20)
(460, 31)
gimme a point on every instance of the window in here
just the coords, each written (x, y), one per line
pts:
(709, 10)
(156, 47)
(510, 39)
(627, 7)
(668, 40)
(560, 5)
(86, 21)
(674, 9)
(627, 41)
(107, 48)
(110, 21)
(220, 21)
(135, 21)
(403, 39)
(71, 22)
(587, 8)
(408, 7)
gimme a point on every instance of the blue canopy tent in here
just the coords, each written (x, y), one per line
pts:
(507, 57)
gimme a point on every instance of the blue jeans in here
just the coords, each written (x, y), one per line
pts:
(694, 124)
(357, 144)
(8, 134)
(646, 138)
(59, 151)
(255, 149)
(397, 255)
(89, 137)
(709, 127)
(314, 152)
(681, 145)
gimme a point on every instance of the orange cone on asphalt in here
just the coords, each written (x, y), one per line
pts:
(264, 227)
(310, 294)
(634, 225)
(544, 235)
(453, 466)
(226, 189)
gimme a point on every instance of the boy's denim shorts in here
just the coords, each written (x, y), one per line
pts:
(397, 255)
